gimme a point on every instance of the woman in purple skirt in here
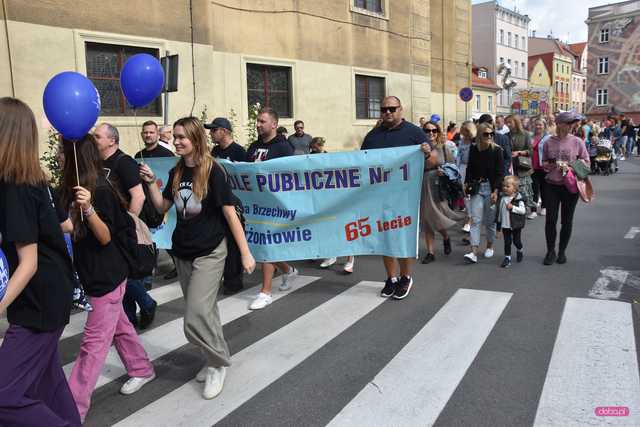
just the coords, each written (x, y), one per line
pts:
(33, 388)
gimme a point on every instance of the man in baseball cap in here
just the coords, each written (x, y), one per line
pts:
(221, 133)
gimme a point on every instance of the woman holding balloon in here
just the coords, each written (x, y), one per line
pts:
(98, 215)
(205, 207)
(33, 388)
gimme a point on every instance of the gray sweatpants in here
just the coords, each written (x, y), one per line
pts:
(200, 280)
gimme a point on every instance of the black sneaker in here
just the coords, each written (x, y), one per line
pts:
(466, 242)
(550, 258)
(562, 258)
(519, 256)
(146, 317)
(506, 262)
(429, 258)
(447, 246)
(403, 288)
(389, 287)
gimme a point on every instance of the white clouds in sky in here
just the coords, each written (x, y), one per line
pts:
(564, 18)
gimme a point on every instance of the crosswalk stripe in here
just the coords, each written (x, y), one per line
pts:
(593, 365)
(161, 340)
(162, 295)
(262, 363)
(416, 384)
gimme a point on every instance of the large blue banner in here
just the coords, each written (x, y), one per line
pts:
(326, 205)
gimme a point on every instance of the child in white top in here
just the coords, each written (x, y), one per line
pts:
(511, 218)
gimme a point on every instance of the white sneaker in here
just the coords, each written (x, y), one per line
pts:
(134, 384)
(466, 228)
(488, 253)
(621, 157)
(471, 258)
(202, 374)
(261, 301)
(287, 278)
(214, 381)
(328, 262)
(543, 211)
(532, 215)
(348, 267)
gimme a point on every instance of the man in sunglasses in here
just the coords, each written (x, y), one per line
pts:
(395, 131)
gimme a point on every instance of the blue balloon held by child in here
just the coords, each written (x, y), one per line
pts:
(4, 274)
(141, 79)
(71, 103)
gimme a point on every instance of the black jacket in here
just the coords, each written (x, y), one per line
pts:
(517, 220)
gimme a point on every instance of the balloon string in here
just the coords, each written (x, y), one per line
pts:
(75, 159)
(140, 145)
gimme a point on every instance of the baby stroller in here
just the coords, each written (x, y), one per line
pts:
(605, 157)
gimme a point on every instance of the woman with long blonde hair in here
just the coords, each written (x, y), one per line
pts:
(483, 180)
(205, 205)
(522, 153)
(33, 388)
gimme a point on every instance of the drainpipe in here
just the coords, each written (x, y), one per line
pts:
(6, 31)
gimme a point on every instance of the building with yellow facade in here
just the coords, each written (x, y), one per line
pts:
(328, 63)
(560, 61)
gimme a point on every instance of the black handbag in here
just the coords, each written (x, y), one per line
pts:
(472, 188)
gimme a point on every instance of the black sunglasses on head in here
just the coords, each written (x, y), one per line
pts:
(388, 109)
(431, 130)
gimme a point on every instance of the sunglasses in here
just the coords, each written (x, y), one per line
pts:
(431, 130)
(488, 134)
(388, 109)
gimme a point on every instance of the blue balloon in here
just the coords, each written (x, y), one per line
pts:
(435, 118)
(141, 79)
(71, 103)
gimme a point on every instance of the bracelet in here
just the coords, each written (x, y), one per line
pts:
(88, 212)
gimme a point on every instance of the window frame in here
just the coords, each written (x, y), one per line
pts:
(501, 36)
(489, 103)
(482, 73)
(602, 95)
(604, 35)
(478, 100)
(290, 85)
(384, 5)
(361, 74)
(122, 49)
(603, 65)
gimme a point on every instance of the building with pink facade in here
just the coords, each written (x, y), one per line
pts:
(613, 64)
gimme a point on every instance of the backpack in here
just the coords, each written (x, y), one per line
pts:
(149, 214)
(135, 243)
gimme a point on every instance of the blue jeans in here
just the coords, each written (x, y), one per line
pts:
(630, 143)
(137, 293)
(482, 212)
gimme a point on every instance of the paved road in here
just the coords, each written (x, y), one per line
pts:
(472, 345)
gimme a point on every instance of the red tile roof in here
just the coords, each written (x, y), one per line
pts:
(547, 59)
(481, 82)
(578, 48)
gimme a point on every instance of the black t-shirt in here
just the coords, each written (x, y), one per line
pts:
(27, 216)
(400, 136)
(123, 170)
(233, 152)
(201, 225)
(102, 268)
(159, 151)
(261, 151)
